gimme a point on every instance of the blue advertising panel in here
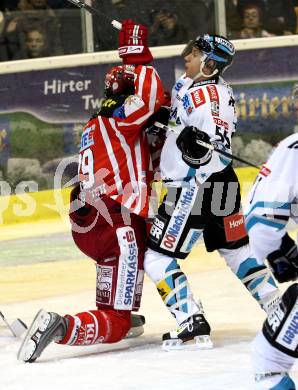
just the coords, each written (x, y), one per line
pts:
(42, 112)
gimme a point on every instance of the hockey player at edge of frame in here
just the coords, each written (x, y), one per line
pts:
(202, 109)
(272, 203)
(110, 206)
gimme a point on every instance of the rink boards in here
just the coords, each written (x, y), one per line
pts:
(38, 259)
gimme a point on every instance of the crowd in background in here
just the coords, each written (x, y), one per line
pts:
(261, 18)
(38, 28)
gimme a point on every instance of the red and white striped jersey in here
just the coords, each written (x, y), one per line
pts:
(114, 156)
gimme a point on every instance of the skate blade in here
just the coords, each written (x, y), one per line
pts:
(28, 346)
(198, 343)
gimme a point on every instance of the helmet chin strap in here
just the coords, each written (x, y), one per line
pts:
(201, 72)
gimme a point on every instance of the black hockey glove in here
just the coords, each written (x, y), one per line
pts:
(193, 154)
(161, 116)
(77, 204)
(284, 261)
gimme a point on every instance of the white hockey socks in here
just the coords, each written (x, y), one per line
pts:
(255, 276)
(172, 285)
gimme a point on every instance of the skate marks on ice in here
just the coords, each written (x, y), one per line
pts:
(147, 343)
(141, 363)
(131, 364)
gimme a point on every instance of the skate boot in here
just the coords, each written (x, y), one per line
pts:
(274, 380)
(193, 333)
(136, 327)
(45, 328)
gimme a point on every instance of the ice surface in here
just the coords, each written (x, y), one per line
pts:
(140, 363)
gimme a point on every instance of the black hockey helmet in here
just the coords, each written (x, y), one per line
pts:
(215, 47)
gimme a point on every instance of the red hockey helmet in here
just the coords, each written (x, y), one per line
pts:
(119, 81)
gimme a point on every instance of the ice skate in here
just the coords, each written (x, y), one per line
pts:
(194, 333)
(136, 328)
(45, 328)
(277, 380)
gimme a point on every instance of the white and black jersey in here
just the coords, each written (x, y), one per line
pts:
(274, 198)
(208, 105)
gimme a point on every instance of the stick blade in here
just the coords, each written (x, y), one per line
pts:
(18, 327)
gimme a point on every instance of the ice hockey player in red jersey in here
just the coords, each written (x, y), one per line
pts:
(109, 208)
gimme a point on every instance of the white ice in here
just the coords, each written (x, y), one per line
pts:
(140, 363)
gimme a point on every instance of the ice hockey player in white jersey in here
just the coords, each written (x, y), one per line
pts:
(272, 204)
(275, 348)
(203, 197)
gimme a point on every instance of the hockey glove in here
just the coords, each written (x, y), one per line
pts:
(193, 154)
(133, 44)
(161, 116)
(77, 203)
(284, 261)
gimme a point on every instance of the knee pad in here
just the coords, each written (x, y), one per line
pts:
(155, 264)
(119, 281)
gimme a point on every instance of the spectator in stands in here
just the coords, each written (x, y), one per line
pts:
(38, 13)
(166, 29)
(279, 15)
(252, 25)
(3, 44)
(36, 44)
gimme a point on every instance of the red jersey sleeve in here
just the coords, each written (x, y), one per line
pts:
(148, 98)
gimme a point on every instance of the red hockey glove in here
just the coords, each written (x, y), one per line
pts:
(133, 44)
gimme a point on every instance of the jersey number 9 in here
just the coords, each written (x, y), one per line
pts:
(86, 169)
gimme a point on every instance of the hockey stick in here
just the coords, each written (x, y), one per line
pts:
(118, 26)
(17, 328)
(96, 12)
(209, 146)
